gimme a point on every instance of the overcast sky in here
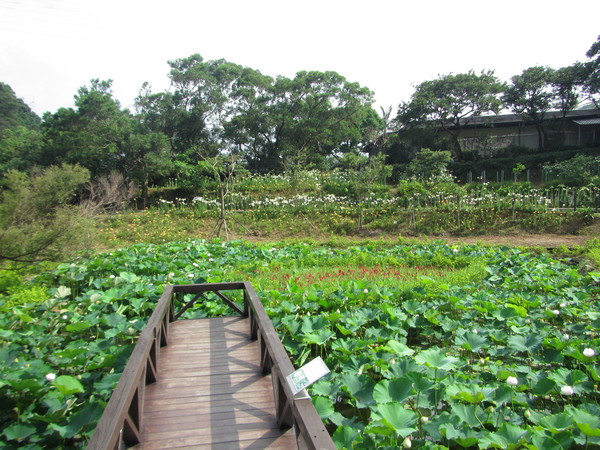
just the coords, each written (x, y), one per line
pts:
(49, 48)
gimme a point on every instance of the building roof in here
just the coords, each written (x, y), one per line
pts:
(595, 121)
(504, 120)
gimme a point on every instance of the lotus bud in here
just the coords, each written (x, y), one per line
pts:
(407, 442)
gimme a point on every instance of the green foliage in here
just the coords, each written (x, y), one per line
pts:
(577, 171)
(484, 358)
(221, 107)
(14, 112)
(591, 82)
(430, 166)
(23, 295)
(20, 149)
(104, 138)
(452, 101)
(530, 95)
(36, 217)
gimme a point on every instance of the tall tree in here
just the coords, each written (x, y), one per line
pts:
(21, 148)
(530, 95)
(92, 134)
(319, 114)
(452, 101)
(566, 85)
(591, 82)
(220, 107)
(14, 112)
(103, 137)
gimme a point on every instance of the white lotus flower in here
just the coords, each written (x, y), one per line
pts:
(50, 377)
(589, 352)
(407, 443)
(556, 312)
(566, 390)
(512, 381)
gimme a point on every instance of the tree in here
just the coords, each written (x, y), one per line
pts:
(222, 168)
(148, 157)
(530, 95)
(323, 114)
(452, 101)
(14, 112)
(94, 134)
(363, 172)
(566, 85)
(21, 148)
(591, 82)
(104, 138)
(429, 165)
(37, 220)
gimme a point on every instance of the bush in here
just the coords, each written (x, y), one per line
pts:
(38, 219)
(576, 171)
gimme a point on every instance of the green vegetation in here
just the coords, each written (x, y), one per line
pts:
(430, 345)
(37, 220)
(454, 346)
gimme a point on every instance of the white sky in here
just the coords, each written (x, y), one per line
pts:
(50, 48)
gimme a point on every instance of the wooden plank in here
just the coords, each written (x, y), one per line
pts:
(172, 407)
(210, 392)
(286, 441)
(198, 418)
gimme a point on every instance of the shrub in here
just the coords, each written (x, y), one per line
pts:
(37, 217)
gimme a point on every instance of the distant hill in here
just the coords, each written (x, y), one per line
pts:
(14, 112)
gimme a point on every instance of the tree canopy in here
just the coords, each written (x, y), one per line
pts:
(452, 101)
(530, 95)
(14, 112)
(217, 108)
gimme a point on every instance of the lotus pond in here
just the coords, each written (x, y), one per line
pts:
(429, 345)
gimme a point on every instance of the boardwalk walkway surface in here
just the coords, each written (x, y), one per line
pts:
(208, 383)
(210, 392)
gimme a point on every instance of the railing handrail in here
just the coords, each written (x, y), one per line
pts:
(303, 414)
(121, 421)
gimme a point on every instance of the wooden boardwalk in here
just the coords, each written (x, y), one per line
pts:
(210, 392)
(208, 383)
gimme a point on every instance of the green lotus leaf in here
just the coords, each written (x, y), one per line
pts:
(437, 359)
(345, 437)
(557, 422)
(324, 406)
(543, 386)
(319, 338)
(398, 348)
(471, 341)
(525, 343)
(67, 384)
(395, 416)
(472, 415)
(18, 431)
(509, 437)
(396, 390)
(588, 423)
(360, 387)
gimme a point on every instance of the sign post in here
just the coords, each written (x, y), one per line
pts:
(306, 375)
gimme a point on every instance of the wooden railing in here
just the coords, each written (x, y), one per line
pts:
(121, 423)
